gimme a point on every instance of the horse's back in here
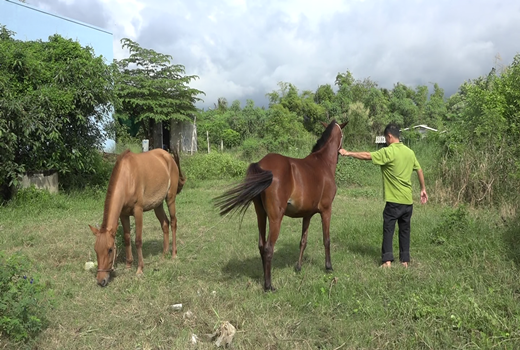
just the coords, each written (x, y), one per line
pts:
(286, 169)
(276, 163)
(153, 175)
(153, 166)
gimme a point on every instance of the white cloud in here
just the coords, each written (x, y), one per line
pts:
(242, 48)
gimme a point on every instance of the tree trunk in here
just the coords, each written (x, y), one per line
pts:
(157, 135)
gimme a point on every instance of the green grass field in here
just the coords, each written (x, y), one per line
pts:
(461, 291)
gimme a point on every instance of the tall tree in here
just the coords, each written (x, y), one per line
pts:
(54, 97)
(403, 109)
(421, 99)
(152, 90)
(435, 109)
(324, 93)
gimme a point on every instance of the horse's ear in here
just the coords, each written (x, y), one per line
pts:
(94, 230)
(324, 124)
(343, 125)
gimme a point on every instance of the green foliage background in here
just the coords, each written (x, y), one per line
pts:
(54, 96)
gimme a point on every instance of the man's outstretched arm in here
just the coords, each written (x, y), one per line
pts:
(357, 155)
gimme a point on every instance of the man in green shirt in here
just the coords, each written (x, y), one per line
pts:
(397, 164)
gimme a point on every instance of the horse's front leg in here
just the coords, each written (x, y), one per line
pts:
(138, 214)
(325, 223)
(303, 242)
(125, 222)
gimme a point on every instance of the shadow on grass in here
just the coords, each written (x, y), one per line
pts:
(365, 250)
(511, 239)
(285, 255)
(151, 247)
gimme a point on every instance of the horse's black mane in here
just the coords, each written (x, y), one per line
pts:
(324, 137)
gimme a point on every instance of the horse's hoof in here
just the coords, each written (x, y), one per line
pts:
(329, 269)
(270, 289)
(298, 268)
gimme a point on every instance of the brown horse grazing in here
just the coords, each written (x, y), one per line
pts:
(298, 188)
(139, 182)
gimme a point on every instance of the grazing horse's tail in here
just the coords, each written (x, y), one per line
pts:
(182, 177)
(239, 197)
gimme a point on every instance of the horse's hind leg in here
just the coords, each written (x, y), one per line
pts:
(170, 200)
(165, 226)
(138, 215)
(266, 247)
(325, 223)
(261, 218)
(125, 222)
(274, 231)
(303, 241)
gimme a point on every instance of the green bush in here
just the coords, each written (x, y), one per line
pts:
(36, 201)
(231, 138)
(214, 165)
(455, 221)
(357, 172)
(97, 178)
(253, 149)
(31, 195)
(22, 299)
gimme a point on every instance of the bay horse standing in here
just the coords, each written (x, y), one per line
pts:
(298, 188)
(139, 182)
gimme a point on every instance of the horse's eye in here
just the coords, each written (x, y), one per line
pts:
(110, 251)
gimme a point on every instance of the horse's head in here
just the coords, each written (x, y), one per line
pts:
(105, 248)
(340, 129)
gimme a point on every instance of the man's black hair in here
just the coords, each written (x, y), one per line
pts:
(392, 129)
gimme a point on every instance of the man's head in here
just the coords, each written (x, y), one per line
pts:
(392, 133)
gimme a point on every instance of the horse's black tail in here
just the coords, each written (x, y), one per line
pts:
(239, 197)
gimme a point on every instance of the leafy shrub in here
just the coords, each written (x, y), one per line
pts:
(96, 178)
(410, 137)
(253, 149)
(231, 138)
(31, 195)
(134, 146)
(22, 299)
(38, 201)
(355, 172)
(454, 221)
(214, 165)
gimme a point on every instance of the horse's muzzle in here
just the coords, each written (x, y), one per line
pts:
(104, 282)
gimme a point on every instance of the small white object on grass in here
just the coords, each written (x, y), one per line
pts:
(176, 307)
(194, 339)
(89, 265)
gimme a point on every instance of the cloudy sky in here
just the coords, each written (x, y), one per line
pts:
(241, 49)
